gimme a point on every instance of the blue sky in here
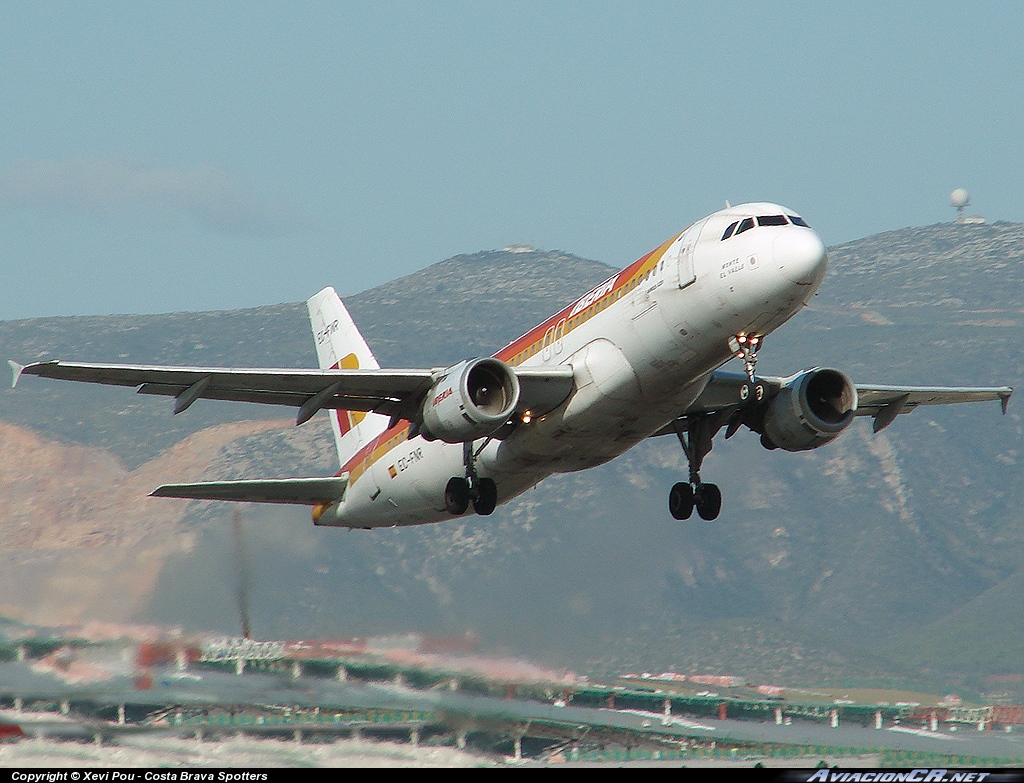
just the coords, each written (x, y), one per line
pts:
(192, 156)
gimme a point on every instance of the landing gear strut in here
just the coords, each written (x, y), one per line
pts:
(697, 431)
(481, 491)
(695, 435)
(745, 346)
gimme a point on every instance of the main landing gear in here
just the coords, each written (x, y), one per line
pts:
(481, 491)
(695, 435)
(684, 498)
(697, 431)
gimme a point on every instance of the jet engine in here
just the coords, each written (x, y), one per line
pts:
(470, 400)
(810, 410)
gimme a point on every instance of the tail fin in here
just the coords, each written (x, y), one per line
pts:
(339, 345)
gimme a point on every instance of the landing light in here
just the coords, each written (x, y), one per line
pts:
(527, 417)
(742, 342)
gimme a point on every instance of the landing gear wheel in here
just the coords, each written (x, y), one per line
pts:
(708, 500)
(680, 500)
(456, 495)
(486, 497)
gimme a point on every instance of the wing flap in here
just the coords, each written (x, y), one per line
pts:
(542, 389)
(298, 491)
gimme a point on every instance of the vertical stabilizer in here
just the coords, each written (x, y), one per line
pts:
(339, 345)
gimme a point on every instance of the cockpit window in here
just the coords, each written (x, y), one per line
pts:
(735, 229)
(745, 225)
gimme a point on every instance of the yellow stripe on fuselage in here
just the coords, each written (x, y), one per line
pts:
(521, 349)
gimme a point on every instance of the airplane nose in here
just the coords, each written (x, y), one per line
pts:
(800, 256)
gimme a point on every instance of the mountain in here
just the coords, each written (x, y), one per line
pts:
(464, 306)
(893, 555)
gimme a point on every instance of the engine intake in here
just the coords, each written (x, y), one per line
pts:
(810, 410)
(470, 400)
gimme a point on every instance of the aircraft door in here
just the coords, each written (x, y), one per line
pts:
(372, 482)
(687, 243)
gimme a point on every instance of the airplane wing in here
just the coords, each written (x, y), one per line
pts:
(731, 390)
(884, 403)
(394, 393)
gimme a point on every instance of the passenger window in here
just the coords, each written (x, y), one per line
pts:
(728, 231)
(798, 221)
(771, 220)
(745, 225)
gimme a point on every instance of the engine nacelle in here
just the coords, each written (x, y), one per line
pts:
(810, 410)
(471, 400)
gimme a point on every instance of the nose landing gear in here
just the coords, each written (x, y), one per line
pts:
(745, 346)
(481, 491)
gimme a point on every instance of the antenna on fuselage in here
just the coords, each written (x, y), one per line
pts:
(727, 204)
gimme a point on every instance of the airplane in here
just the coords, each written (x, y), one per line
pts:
(638, 356)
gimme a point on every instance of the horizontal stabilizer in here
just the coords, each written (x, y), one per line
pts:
(16, 369)
(300, 491)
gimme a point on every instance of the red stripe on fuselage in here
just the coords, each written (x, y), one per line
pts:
(623, 279)
(366, 456)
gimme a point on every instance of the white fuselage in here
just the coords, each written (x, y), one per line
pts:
(642, 346)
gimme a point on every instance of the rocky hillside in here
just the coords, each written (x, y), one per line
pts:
(890, 555)
(464, 306)
(79, 536)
